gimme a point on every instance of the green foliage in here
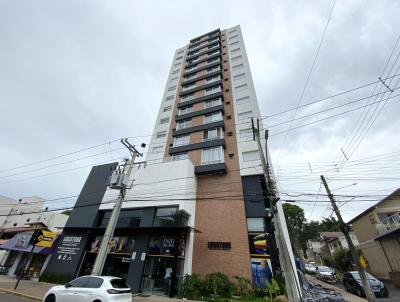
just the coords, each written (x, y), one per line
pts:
(273, 289)
(243, 286)
(218, 284)
(191, 288)
(328, 261)
(342, 261)
(330, 224)
(54, 278)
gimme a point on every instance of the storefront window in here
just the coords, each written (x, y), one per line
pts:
(166, 217)
(255, 224)
(126, 219)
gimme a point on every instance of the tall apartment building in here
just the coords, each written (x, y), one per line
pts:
(199, 204)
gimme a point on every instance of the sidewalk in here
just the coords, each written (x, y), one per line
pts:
(35, 290)
(347, 296)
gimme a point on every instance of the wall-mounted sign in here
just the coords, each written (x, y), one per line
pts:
(143, 256)
(45, 238)
(69, 247)
(218, 245)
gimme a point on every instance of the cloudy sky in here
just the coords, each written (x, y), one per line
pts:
(75, 74)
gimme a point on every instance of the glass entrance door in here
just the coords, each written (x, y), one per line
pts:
(157, 275)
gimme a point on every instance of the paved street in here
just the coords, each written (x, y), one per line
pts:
(12, 298)
(394, 293)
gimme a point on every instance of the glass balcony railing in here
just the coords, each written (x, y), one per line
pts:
(389, 224)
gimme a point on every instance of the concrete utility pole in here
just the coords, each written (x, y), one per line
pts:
(345, 229)
(286, 258)
(120, 181)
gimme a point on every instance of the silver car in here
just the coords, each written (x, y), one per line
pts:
(310, 268)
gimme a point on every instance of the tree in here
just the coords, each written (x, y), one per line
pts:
(295, 221)
(330, 224)
(66, 212)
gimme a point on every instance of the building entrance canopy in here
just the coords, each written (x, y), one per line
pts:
(20, 242)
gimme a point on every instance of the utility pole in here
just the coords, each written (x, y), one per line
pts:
(286, 258)
(119, 180)
(345, 229)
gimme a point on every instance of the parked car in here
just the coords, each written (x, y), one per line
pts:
(325, 273)
(352, 283)
(89, 289)
(310, 268)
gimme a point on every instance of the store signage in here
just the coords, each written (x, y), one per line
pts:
(218, 245)
(22, 240)
(45, 238)
(69, 247)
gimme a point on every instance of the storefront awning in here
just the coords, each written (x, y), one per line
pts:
(13, 245)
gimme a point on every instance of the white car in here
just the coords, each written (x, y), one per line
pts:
(91, 289)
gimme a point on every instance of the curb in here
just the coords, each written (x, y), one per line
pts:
(15, 293)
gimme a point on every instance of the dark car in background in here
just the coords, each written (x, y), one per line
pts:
(325, 273)
(352, 283)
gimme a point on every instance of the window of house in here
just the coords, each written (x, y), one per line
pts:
(158, 149)
(184, 124)
(161, 134)
(236, 67)
(243, 100)
(241, 87)
(237, 58)
(239, 76)
(167, 108)
(165, 216)
(212, 103)
(187, 97)
(191, 76)
(191, 68)
(174, 79)
(251, 155)
(181, 140)
(213, 52)
(214, 89)
(213, 79)
(185, 110)
(213, 69)
(213, 46)
(255, 224)
(212, 155)
(176, 71)
(188, 86)
(233, 37)
(245, 133)
(180, 156)
(234, 43)
(164, 120)
(212, 117)
(178, 58)
(170, 98)
(177, 64)
(180, 51)
(244, 115)
(172, 88)
(213, 134)
(236, 50)
(213, 60)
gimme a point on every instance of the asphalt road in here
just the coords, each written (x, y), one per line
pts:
(12, 298)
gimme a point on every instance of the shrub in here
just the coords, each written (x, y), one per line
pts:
(329, 261)
(218, 284)
(243, 286)
(192, 287)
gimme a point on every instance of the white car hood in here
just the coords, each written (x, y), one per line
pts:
(325, 273)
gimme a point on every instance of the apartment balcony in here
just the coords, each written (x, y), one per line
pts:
(201, 77)
(211, 168)
(193, 100)
(199, 112)
(206, 143)
(217, 55)
(202, 87)
(198, 69)
(202, 127)
(389, 224)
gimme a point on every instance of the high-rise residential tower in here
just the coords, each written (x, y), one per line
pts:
(205, 115)
(199, 204)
